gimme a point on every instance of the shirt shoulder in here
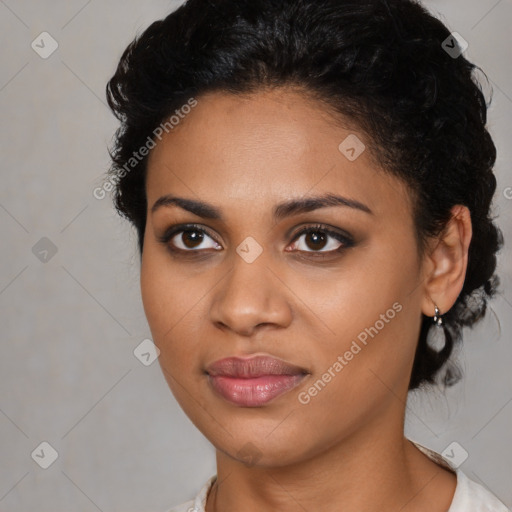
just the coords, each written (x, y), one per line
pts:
(188, 506)
(470, 496)
(197, 504)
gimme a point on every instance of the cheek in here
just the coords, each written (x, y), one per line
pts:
(166, 307)
(162, 306)
(163, 292)
(153, 293)
(361, 292)
(172, 305)
(372, 319)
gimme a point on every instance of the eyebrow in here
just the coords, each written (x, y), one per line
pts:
(282, 210)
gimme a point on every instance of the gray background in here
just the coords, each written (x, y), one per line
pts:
(70, 324)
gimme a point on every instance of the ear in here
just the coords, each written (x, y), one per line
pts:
(446, 262)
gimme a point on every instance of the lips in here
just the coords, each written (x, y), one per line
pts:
(252, 382)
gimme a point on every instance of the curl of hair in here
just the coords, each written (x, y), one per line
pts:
(378, 64)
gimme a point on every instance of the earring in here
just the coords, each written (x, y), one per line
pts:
(438, 320)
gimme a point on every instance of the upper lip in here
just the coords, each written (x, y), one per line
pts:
(256, 366)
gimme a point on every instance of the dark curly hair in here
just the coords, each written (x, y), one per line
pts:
(383, 65)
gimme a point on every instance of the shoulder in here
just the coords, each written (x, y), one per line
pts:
(470, 496)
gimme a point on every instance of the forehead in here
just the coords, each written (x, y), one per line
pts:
(267, 147)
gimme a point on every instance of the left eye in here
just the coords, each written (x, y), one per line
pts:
(320, 239)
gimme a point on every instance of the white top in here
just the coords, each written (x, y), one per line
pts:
(469, 496)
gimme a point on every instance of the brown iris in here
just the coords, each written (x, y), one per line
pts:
(318, 240)
(192, 238)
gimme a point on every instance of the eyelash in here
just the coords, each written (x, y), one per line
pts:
(345, 239)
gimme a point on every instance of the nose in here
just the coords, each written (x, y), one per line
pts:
(251, 295)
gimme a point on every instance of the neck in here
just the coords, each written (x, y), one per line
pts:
(374, 468)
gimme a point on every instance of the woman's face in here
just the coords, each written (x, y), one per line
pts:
(341, 303)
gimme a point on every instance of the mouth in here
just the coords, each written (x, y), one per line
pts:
(255, 381)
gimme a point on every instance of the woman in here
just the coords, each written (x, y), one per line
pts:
(310, 181)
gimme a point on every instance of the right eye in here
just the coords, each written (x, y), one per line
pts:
(188, 238)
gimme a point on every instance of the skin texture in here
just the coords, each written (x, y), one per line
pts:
(245, 154)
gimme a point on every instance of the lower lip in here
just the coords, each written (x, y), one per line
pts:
(253, 392)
